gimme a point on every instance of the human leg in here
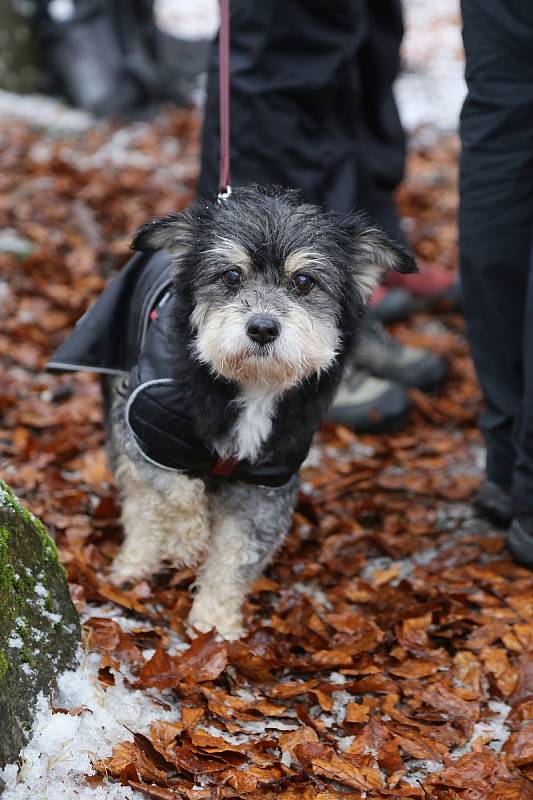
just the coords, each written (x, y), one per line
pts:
(496, 213)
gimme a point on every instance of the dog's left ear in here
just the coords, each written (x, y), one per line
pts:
(173, 232)
(376, 254)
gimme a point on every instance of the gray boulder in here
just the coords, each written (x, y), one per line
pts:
(39, 626)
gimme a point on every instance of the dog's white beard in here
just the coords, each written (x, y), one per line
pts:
(305, 346)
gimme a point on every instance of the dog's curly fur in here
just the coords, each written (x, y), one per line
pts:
(256, 254)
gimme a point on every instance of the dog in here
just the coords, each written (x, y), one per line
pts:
(265, 306)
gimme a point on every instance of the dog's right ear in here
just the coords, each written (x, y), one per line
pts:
(374, 253)
(174, 233)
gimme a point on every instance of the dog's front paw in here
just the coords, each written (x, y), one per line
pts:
(203, 618)
(123, 571)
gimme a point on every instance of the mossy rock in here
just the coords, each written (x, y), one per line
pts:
(39, 626)
(20, 70)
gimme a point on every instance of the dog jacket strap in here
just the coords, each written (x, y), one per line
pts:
(163, 436)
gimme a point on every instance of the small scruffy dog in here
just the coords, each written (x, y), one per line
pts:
(265, 306)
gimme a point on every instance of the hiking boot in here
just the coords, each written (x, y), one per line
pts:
(391, 305)
(520, 540)
(432, 289)
(369, 405)
(384, 357)
(494, 504)
(430, 283)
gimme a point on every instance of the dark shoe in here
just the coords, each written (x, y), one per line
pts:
(369, 405)
(384, 357)
(391, 305)
(494, 504)
(396, 303)
(520, 541)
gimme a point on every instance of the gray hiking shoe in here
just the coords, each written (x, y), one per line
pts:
(520, 541)
(385, 357)
(494, 504)
(369, 405)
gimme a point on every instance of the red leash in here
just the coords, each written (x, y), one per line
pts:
(224, 187)
(224, 467)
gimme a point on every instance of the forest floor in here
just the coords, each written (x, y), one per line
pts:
(389, 646)
(389, 640)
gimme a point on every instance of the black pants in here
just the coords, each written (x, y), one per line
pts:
(311, 102)
(496, 231)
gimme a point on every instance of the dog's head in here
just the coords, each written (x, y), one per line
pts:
(273, 288)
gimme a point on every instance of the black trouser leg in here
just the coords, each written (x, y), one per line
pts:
(523, 433)
(311, 102)
(496, 229)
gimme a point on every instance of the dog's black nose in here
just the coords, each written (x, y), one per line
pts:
(262, 329)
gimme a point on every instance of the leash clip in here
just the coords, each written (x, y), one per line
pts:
(224, 193)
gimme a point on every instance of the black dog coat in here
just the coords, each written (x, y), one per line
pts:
(129, 332)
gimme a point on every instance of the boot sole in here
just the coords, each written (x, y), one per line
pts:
(520, 545)
(492, 515)
(388, 424)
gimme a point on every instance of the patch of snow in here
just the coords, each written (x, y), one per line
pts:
(312, 590)
(351, 451)
(336, 677)
(55, 619)
(231, 738)
(479, 455)
(120, 149)
(460, 512)
(431, 89)
(37, 635)
(340, 701)
(186, 20)
(261, 727)
(345, 741)
(12, 242)
(15, 642)
(246, 695)
(42, 597)
(314, 456)
(378, 563)
(495, 729)
(39, 111)
(60, 752)
(419, 769)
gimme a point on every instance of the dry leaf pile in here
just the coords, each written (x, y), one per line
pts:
(390, 645)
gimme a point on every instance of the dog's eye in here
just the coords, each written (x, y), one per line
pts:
(304, 283)
(232, 277)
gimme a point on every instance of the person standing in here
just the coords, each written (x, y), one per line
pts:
(496, 238)
(312, 108)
